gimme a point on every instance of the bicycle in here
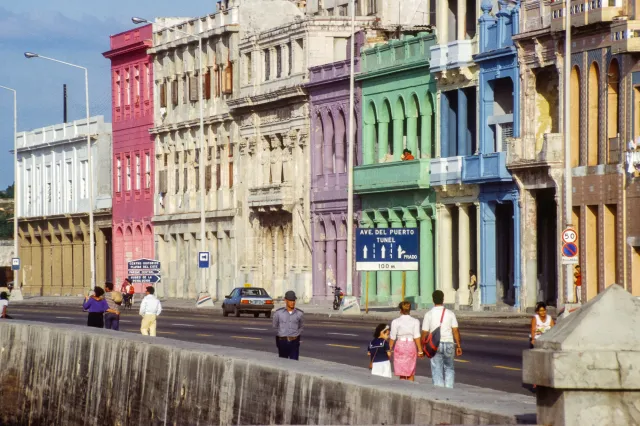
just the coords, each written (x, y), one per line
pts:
(128, 301)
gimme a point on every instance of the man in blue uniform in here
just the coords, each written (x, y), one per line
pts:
(289, 323)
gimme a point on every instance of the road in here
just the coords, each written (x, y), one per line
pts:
(492, 353)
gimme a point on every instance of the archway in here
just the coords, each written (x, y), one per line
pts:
(576, 101)
(613, 88)
(594, 103)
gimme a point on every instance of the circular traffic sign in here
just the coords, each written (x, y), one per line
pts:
(569, 235)
(569, 250)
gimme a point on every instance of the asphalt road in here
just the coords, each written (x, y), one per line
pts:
(492, 353)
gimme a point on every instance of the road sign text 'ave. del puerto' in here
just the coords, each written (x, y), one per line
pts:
(392, 249)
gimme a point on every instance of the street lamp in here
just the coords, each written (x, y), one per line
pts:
(202, 157)
(16, 293)
(350, 159)
(31, 55)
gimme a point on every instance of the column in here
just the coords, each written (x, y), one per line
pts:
(370, 275)
(342, 254)
(396, 276)
(412, 290)
(319, 281)
(462, 21)
(331, 256)
(101, 255)
(340, 148)
(57, 265)
(383, 141)
(442, 20)
(412, 136)
(517, 247)
(488, 252)
(80, 286)
(445, 112)
(445, 224)
(464, 144)
(426, 259)
(327, 166)
(425, 136)
(383, 277)
(369, 151)
(398, 138)
(47, 263)
(464, 255)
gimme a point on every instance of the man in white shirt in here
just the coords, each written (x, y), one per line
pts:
(150, 308)
(442, 370)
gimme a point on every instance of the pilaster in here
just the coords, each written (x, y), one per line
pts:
(445, 224)
(464, 255)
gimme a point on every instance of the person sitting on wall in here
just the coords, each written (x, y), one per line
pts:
(406, 155)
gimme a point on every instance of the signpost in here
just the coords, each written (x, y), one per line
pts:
(15, 264)
(203, 259)
(387, 249)
(569, 247)
(144, 271)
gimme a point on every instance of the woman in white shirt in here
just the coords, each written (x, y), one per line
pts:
(4, 305)
(405, 343)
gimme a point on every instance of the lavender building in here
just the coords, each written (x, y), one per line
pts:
(328, 91)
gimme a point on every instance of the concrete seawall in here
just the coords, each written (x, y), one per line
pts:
(74, 375)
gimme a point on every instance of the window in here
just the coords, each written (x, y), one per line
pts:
(83, 179)
(207, 177)
(69, 188)
(278, 62)
(59, 180)
(128, 87)
(147, 81)
(162, 182)
(248, 67)
(218, 169)
(207, 85)
(196, 171)
(163, 95)
(185, 90)
(228, 78)
(433, 12)
(128, 173)
(119, 175)
(299, 55)
(185, 183)
(193, 89)
(373, 7)
(230, 150)
(267, 64)
(118, 83)
(38, 189)
(177, 180)
(342, 10)
(174, 92)
(290, 52)
(28, 182)
(136, 83)
(147, 170)
(138, 172)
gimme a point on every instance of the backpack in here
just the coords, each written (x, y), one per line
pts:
(431, 343)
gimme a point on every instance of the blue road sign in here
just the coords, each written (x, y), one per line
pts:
(144, 271)
(145, 279)
(570, 249)
(392, 249)
(15, 264)
(203, 259)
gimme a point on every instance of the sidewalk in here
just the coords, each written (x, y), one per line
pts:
(382, 313)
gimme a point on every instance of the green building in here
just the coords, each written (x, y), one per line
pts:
(398, 98)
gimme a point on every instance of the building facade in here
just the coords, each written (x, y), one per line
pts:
(53, 173)
(272, 110)
(133, 148)
(398, 105)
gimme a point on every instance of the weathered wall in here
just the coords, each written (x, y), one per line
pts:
(72, 375)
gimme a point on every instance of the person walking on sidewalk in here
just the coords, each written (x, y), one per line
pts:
(379, 352)
(405, 343)
(96, 306)
(150, 308)
(4, 305)
(442, 364)
(112, 316)
(289, 324)
(473, 286)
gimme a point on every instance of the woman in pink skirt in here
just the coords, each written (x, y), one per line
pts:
(405, 343)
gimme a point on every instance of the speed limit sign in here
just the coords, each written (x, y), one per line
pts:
(569, 235)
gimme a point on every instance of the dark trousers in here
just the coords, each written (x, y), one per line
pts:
(288, 349)
(112, 321)
(95, 319)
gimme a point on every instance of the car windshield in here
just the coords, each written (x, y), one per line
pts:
(252, 292)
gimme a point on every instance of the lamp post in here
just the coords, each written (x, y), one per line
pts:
(16, 293)
(31, 55)
(568, 181)
(350, 145)
(202, 157)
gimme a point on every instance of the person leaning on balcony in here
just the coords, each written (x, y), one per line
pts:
(406, 155)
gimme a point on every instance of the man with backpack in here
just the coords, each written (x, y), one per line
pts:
(439, 332)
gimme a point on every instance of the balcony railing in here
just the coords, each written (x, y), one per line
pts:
(625, 36)
(522, 152)
(271, 197)
(455, 54)
(490, 167)
(395, 176)
(439, 57)
(446, 171)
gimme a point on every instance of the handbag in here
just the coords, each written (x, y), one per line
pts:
(431, 343)
(371, 360)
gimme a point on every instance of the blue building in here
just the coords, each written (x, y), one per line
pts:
(498, 118)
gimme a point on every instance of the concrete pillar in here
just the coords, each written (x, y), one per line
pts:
(47, 263)
(426, 259)
(58, 266)
(370, 276)
(101, 256)
(369, 152)
(445, 224)
(341, 277)
(443, 22)
(412, 136)
(412, 290)
(488, 252)
(464, 138)
(586, 368)
(462, 20)
(383, 277)
(327, 167)
(319, 280)
(383, 141)
(425, 136)
(464, 253)
(398, 138)
(396, 276)
(339, 136)
(331, 258)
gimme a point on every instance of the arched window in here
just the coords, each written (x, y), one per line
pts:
(594, 102)
(576, 101)
(613, 88)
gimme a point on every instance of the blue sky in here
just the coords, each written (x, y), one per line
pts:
(75, 31)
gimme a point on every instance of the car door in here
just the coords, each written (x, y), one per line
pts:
(235, 297)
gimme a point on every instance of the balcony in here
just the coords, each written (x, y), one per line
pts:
(603, 10)
(483, 168)
(585, 12)
(456, 54)
(625, 36)
(395, 176)
(521, 153)
(439, 55)
(271, 198)
(446, 171)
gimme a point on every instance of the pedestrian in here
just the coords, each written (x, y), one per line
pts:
(288, 323)
(473, 286)
(577, 283)
(405, 343)
(96, 306)
(150, 308)
(4, 305)
(379, 352)
(112, 316)
(406, 155)
(540, 323)
(130, 291)
(442, 364)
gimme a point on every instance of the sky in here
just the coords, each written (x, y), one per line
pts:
(75, 31)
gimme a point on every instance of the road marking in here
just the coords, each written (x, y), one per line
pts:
(126, 321)
(507, 368)
(205, 335)
(344, 334)
(183, 325)
(343, 346)
(247, 337)
(461, 360)
(64, 318)
(259, 329)
(166, 332)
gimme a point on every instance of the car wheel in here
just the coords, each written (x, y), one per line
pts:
(267, 314)
(236, 312)
(224, 312)
(256, 315)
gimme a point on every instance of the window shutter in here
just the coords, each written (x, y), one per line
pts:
(186, 179)
(230, 172)
(176, 182)
(163, 95)
(174, 92)
(218, 176)
(193, 89)
(217, 79)
(162, 181)
(228, 78)
(207, 177)
(207, 86)
(197, 175)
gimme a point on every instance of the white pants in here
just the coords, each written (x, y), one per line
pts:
(148, 326)
(381, 369)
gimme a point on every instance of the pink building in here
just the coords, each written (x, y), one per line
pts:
(133, 149)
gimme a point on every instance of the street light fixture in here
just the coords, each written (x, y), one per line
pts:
(202, 157)
(16, 293)
(31, 55)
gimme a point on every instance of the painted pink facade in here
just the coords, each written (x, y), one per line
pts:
(133, 148)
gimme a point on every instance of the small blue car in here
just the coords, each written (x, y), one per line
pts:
(248, 300)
